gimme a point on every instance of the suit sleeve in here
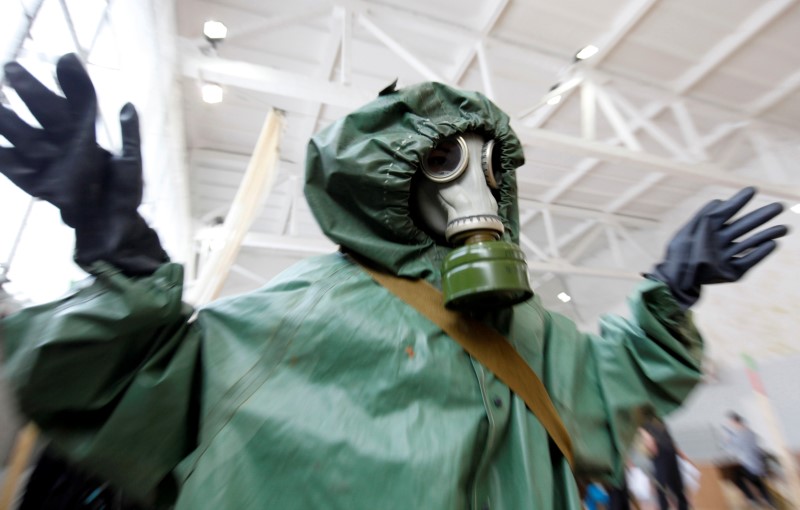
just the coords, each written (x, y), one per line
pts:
(601, 383)
(109, 373)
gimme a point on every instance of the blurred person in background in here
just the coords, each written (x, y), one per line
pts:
(619, 497)
(641, 487)
(596, 497)
(750, 473)
(665, 455)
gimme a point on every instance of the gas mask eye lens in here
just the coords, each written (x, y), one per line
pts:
(447, 161)
(490, 162)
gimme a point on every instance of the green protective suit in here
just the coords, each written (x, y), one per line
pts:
(322, 389)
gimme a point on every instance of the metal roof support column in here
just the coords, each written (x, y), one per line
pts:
(256, 184)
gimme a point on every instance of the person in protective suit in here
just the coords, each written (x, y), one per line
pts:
(323, 389)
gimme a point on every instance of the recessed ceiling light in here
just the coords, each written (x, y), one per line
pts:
(554, 99)
(215, 30)
(563, 296)
(586, 52)
(212, 93)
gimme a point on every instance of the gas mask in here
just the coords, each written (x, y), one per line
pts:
(454, 199)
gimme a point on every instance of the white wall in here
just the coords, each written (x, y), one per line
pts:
(148, 50)
(133, 60)
(696, 426)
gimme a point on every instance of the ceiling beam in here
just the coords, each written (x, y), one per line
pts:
(592, 230)
(479, 48)
(581, 231)
(256, 184)
(617, 122)
(691, 136)
(73, 34)
(580, 170)
(272, 81)
(528, 244)
(633, 192)
(451, 29)
(749, 28)
(344, 19)
(560, 89)
(336, 45)
(311, 246)
(23, 27)
(783, 90)
(559, 267)
(486, 74)
(398, 49)
(624, 234)
(263, 24)
(580, 212)
(722, 131)
(629, 16)
(702, 172)
(644, 122)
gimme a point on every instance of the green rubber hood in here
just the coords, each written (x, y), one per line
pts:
(359, 172)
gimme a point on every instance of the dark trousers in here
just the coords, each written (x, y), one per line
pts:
(618, 498)
(744, 478)
(668, 477)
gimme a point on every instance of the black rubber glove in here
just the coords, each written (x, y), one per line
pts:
(97, 193)
(705, 250)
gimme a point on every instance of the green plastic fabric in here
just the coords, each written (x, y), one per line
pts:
(322, 389)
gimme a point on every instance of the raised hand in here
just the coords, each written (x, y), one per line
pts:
(709, 248)
(97, 193)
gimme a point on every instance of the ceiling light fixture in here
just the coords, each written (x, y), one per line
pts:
(554, 100)
(586, 52)
(563, 296)
(215, 31)
(212, 93)
(795, 209)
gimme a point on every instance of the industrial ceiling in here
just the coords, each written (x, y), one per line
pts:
(681, 96)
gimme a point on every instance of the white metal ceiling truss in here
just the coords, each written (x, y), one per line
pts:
(20, 45)
(655, 142)
(676, 146)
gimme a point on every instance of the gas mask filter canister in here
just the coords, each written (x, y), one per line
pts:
(454, 199)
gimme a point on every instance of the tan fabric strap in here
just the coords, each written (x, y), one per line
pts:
(485, 345)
